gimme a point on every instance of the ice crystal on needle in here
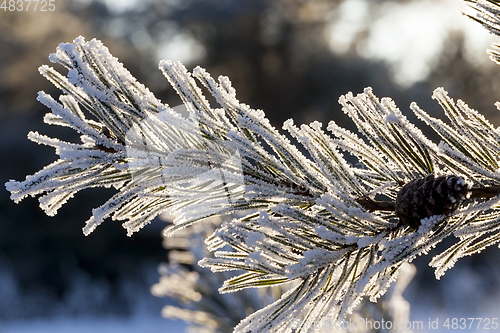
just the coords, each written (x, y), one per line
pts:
(311, 217)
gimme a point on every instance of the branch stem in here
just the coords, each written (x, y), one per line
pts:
(371, 204)
(485, 192)
(475, 192)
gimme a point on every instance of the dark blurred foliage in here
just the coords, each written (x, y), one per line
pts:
(274, 52)
(478, 86)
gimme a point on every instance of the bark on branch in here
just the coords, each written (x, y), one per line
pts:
(475, 192)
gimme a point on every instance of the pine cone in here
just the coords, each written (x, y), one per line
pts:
(424, 197)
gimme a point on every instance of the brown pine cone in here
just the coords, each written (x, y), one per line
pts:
(424, 197)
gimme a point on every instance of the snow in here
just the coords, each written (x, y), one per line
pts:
(314, 259)
(143, 323)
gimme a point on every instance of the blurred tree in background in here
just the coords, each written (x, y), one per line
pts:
(291, 58)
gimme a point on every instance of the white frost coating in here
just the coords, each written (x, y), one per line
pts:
(74, 76)
(461, 181)
(313, 259)
(300, 216)
(333, 236)
(391, 118)
(367, 241)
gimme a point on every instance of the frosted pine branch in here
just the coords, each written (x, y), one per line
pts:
(199, 303)
(125, 145)
(205, 310)
(339, 232)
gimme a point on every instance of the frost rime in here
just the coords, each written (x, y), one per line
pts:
(300, 217)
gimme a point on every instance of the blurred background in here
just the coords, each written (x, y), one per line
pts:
(291, 58)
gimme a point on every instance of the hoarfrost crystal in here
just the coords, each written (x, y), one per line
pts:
(308, 219)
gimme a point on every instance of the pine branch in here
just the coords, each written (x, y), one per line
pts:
(310, 218)
(202, 307)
